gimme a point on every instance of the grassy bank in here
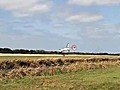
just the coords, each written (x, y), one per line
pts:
(22, 67)
(56, 73)
(98, 79)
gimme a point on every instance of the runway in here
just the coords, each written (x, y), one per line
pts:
(30, 55)
(55, 55)
(43, 55)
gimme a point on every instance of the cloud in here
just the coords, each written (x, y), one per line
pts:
(22, 8)
(102, 31)
(85, 18)
(94, 2)
(58, 25)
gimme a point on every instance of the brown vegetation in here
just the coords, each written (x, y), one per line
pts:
(21, 68)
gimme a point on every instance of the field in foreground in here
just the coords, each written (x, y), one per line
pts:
(55, 73)
(98, 79)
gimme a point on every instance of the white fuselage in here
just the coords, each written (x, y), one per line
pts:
(64, 50)
(67, 49)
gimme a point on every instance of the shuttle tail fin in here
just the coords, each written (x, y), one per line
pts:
(68, 45)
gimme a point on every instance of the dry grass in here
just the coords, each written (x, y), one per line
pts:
(21, 67)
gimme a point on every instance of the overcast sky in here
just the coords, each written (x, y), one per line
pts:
(93, 25)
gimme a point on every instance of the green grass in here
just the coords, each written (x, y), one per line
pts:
(11, 58)
(98, 79)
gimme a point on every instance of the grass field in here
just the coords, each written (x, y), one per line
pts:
(15, 57)
(56, 73)
(99, 79)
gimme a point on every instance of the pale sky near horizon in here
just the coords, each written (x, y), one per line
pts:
(93, 25)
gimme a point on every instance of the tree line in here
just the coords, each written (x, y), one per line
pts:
(24, 51)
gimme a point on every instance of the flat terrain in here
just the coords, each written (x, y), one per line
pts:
(49, 56)
(99, 79)
(82, 72)
(53, 55)
(30, 55)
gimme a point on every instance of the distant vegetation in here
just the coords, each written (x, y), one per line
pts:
(24, 51)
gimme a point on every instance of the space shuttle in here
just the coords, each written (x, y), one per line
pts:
(68, 48)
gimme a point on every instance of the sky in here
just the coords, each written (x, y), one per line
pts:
(93, 25)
